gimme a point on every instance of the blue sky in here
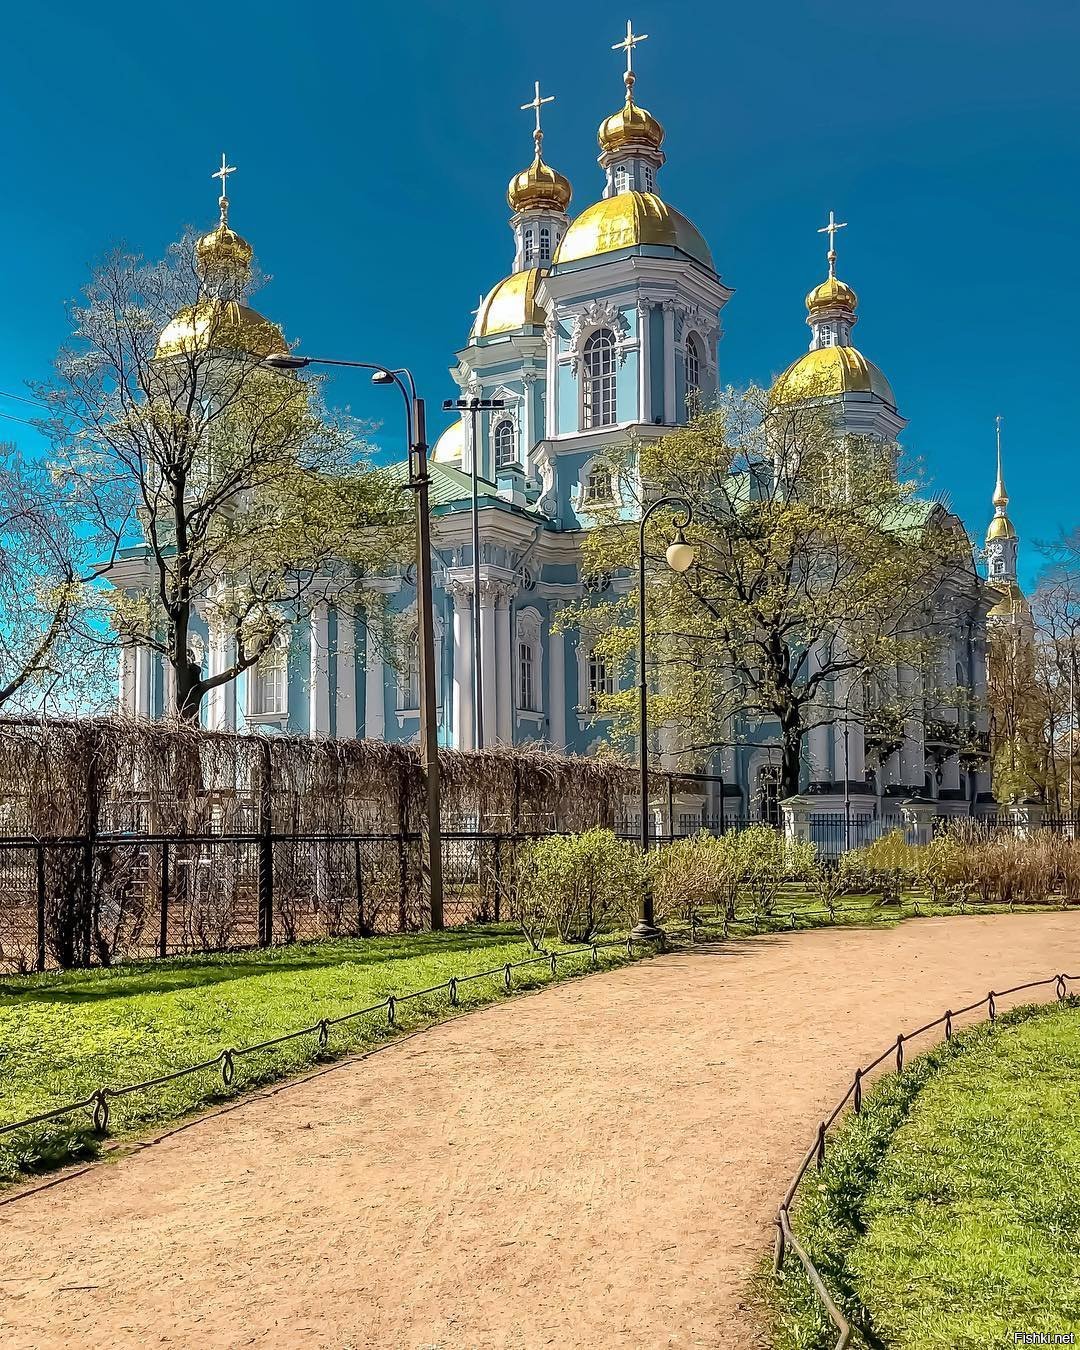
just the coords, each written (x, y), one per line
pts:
(374, 145)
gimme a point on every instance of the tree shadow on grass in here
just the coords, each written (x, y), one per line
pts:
(195, 972)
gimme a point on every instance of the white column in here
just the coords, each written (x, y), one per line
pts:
(526, 430)
(319, 676)
(126, 680)
(912, 759)
(345, 673)
(950, 773)
(488, 659)
(463, 668)
(505, 670)
(557, 690)
(374, 688)
(848, 700)
(669, 361)
(644, 311)
(215, 699)
(817, 738)
(551, 332)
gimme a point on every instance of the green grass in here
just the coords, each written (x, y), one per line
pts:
(62, 1036)
(947, 1215)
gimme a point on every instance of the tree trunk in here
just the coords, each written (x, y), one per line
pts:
(791, 758)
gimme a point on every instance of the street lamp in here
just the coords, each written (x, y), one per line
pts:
(679, 556)
(475, 406)
(415, 429)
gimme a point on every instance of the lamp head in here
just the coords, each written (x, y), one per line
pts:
(382, 377)
(285, 361)
(680, 554)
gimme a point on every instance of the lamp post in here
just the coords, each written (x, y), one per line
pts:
(474, 406)
(416, 430)
(679, 557)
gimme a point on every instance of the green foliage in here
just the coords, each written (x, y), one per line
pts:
(767, 859)
(888, 865)
(947, 1215)
(575, 885)
(65, 1035)
(690, 874)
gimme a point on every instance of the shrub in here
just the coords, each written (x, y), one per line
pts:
(575, 885)
(886, 866)
(692, 873)
(767, 859)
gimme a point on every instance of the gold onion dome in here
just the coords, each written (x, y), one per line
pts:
(539, 188)
(627, 220)
(828, 372)
(450, 447)
(629, 127)
(1001, 527)
(511, 305)
(831, 294)
(223, 250)
(220, 324)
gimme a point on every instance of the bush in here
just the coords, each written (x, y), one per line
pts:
(575, 885)
(887, 866)
(691, 873)
(767, 859)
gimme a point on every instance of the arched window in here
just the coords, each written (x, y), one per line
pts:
(601, 679)
(505, 449)
(598, 485)
(530, 245)
(268, 683)
(526, 674)
(826, 335)
(622, 179)
(544, 252)
(648, 177)
(409, 678)
(598, 380)
(693, 367)
(769, 794)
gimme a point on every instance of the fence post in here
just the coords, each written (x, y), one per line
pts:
(40, 963)
(670, 810)
(403, 884)
(358, 866)
(163, 937)
(498, 878)
(266, 848)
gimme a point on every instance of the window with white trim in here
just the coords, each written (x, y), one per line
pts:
(526, 676)
(601, 679)
(598, 380)
(268, 682)
(409, 677)
(622, 179)
(529, 238)
(693, 367)
(598, 486)
(505, 446)
(543, 252)
(648, 177)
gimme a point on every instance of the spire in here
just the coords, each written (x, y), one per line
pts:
(630, 139)
(831, 305)
(1001, 497)
(223, 174)
(831, 230)
(538, 197)
(223, 257)
(627, 45)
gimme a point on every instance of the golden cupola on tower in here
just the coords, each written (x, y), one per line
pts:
(218, 321)
(630, 128)
(539, 188)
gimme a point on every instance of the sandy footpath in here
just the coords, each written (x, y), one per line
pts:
(597, 1164)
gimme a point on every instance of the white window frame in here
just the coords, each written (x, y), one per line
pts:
(257, 708)
(528, 629)
(599, 409)
(513, 458)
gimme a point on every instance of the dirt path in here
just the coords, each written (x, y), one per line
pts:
(595, 1165)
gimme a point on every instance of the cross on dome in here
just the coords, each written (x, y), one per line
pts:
(536, 104)
(831, 230)
(223, 174)
(627, 45)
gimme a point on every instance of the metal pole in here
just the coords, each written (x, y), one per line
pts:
(478, 677)
(429, 729)
(847, 787)
(1072, 714)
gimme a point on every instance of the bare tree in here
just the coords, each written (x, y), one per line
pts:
(223, 489)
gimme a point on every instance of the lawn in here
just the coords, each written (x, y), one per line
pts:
(64, 1035)
(948, 1214)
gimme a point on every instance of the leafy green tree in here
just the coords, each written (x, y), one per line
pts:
(816, 566)
(222, 487)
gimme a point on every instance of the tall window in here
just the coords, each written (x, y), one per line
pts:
(530, 245)
(544, 252)
(622, 179)
(826, 335)
(268, 683)
(505, 450)
(598, 485)
(601, 680)
(598, 380)
(409, 685)
(693, 367)
(648, 177)
(526, 676)
(769, 793)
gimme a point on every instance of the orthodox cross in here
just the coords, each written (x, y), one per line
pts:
(830, 230)
(223, 174)
(536, 104)
(627, 45)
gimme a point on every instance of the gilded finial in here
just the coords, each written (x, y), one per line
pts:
(831, 230)
(1001, 497)
(627, 45)
(536, 104)
(223, 174)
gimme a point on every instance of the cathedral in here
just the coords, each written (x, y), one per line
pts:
(606, 327)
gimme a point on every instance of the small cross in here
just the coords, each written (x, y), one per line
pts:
(628, 44)
(536, 104)
(223, 174)
(479, 305)
(830, 230)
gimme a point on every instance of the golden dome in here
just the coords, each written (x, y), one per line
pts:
(512, 304)
(830, 371)
(627, 220)
(629, 127)
(539, 188)
(831, 294)
(450, 446)
(222, 250)
(220, 324)
(1001, 527)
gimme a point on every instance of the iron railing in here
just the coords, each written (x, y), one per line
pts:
(815, 1155)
